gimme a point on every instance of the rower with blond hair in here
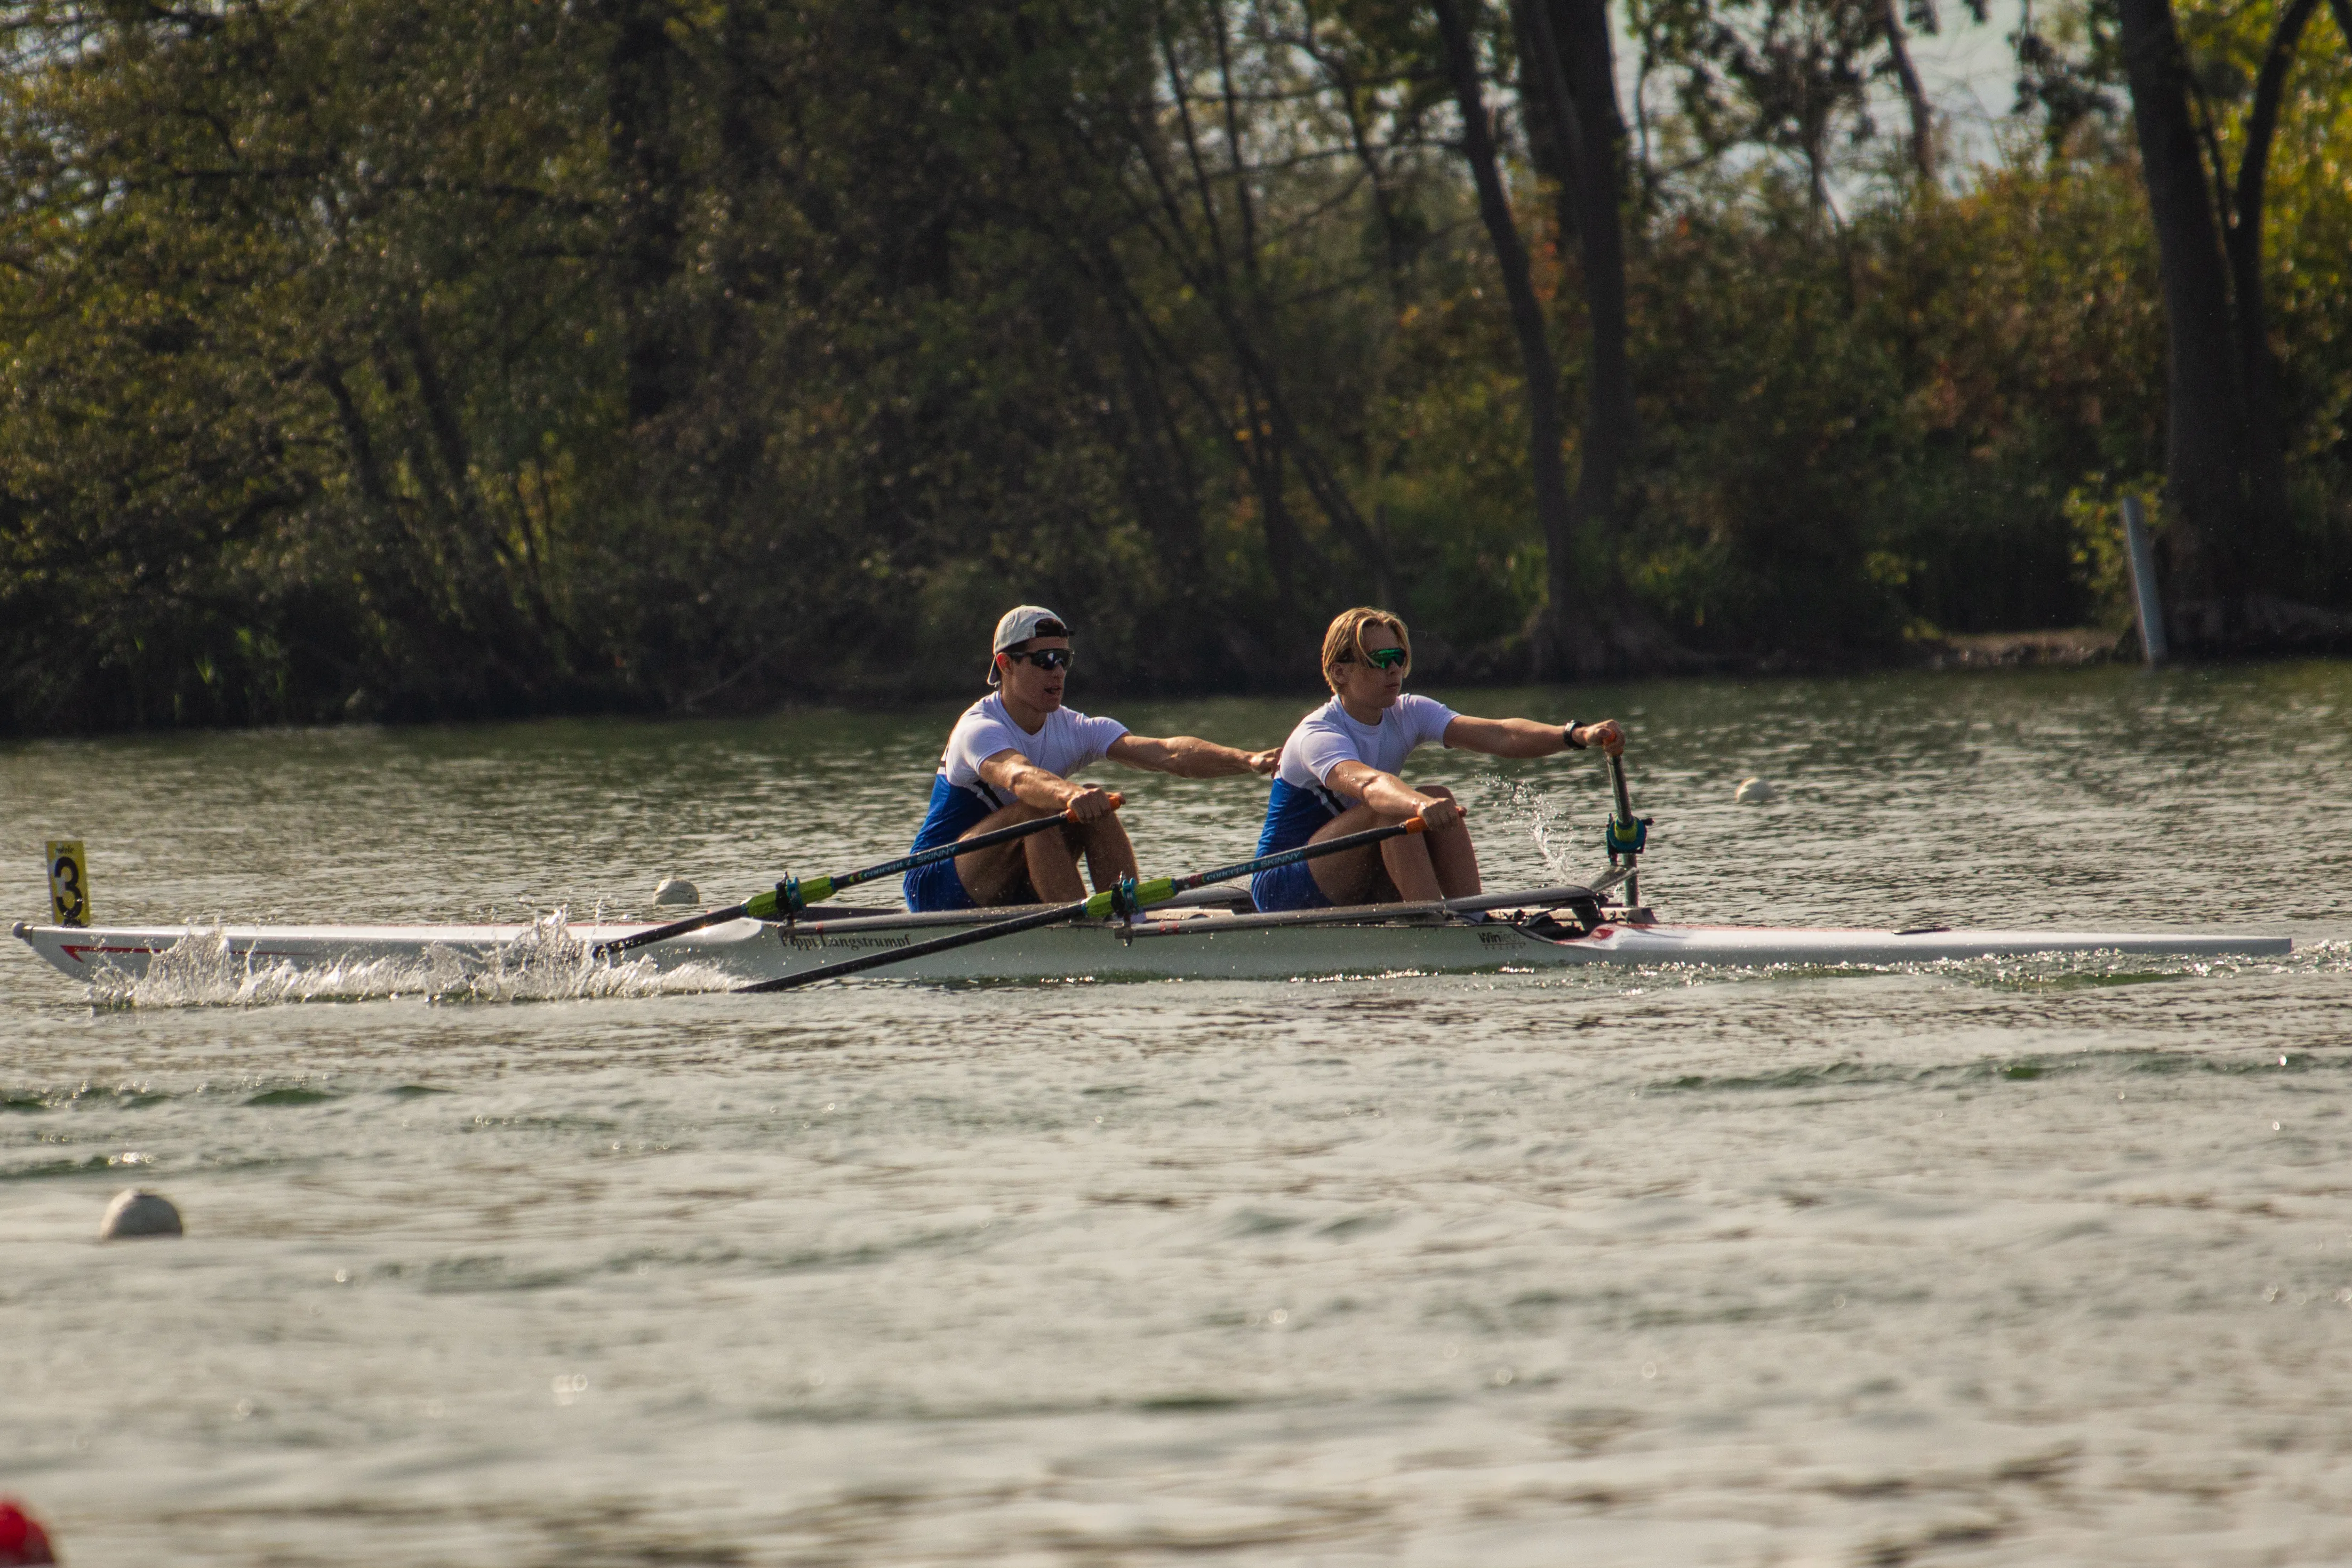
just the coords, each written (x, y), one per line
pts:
(1338, 775)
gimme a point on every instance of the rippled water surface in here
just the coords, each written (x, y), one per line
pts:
(1997, 1263)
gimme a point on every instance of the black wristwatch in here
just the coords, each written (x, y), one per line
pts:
(1568, 737)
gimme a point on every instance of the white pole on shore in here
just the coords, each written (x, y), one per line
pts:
(2142, 555)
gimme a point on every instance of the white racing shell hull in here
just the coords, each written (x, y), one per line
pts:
(1193, 945)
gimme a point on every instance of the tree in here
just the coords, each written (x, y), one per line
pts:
(1566, 636)
(1578, 138)
(1587, 626)
(1793, 77)
(2225, 456)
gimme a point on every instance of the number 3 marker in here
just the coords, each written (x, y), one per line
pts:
(68, 882)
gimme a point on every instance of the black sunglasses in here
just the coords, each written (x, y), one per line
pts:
(1044, 658)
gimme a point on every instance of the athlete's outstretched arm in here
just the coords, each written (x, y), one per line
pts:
(1190, 757)
(1527, 738)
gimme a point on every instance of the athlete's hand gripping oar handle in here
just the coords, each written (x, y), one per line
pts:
(1160, 889)
(763, 906)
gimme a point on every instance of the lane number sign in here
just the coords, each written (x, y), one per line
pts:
(68, 882)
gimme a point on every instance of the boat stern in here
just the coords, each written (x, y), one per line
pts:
(85, 952)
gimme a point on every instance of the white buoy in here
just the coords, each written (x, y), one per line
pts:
(1756, 792)
(136, 1211)
(677, 891)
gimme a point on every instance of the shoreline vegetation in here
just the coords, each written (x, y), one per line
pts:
(444, 362)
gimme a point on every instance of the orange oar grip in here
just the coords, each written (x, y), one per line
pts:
(1117, 800)
(1415, 825)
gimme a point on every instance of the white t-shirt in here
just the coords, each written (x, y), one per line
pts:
(1328, 737)
(1067, 742)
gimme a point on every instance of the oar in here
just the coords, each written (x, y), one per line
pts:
(1626, 834)
(817, 890)
(1137, 896)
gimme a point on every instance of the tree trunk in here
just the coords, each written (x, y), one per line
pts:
(645, 164)
(1563, 639)
(1914, 93)
(2206, 438)
(1578, 137)
(1578, 32)
(2265, 450)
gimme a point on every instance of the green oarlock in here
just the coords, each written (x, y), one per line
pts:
(1624, 837)
(1157, 891)
(768, 906)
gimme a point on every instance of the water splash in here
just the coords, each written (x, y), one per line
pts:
(1548, 825)
(545, 964)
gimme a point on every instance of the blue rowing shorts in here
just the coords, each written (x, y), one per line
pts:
(937, 887)
(1293, 816)
(1290, 886)
(952, 814)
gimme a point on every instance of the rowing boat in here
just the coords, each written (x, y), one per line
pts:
(1208, 936)
(1196, 927)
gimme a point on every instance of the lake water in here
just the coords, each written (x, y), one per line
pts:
(1990, 1263)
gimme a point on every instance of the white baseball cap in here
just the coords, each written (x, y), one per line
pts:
(1017, 626)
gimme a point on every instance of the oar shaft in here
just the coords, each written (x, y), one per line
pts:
(1157, 891)
(818, 889)
(1625, 836)
(1292, 857)
(938, 852)
(675, 927)
(989, 932)
(1625, 796)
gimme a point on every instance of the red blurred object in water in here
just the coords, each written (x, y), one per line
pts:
(21, 1539)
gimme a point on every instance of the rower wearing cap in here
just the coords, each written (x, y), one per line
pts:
(1338, 774)
(1009, 759)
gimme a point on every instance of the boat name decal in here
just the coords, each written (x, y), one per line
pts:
(811, 943)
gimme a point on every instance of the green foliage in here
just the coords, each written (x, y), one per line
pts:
(440, 360)
(2073, 68)
(1856, 442)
